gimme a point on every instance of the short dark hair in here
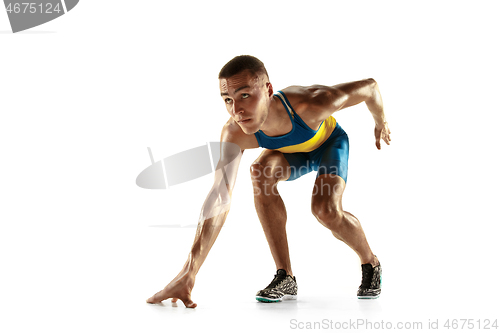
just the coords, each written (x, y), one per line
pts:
(241, 63)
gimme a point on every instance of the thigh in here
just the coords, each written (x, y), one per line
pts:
(300, 164)
(333, 157)
(271, 163)
(327, 193)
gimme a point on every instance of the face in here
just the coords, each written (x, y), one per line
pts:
(247, 98)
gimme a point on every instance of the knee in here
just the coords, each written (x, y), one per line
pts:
(263, 180)
(264, 170)
(327, 214)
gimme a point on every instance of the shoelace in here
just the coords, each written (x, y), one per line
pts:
(366, 281)
(277, 280)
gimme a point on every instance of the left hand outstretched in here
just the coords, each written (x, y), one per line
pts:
(382, 132)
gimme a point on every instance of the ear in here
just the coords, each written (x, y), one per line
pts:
(270, 90)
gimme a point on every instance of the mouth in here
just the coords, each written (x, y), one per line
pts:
(244, 121)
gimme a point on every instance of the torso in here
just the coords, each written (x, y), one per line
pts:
(299, 136)
(294, 95)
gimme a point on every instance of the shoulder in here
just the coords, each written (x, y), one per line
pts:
(319, 98)
(312, 95)
(231, 132)
(316, 102)
(318, 91)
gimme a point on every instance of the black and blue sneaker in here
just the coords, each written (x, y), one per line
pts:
(282, 287)
(371, 284)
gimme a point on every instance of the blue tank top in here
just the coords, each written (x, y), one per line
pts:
(301, 138)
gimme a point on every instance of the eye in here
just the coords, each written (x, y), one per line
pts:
(245, 95)
(227, 100)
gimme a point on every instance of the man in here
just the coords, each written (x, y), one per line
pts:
(300, 135)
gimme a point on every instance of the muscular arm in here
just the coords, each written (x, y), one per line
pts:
(212, 217)
(319, 102)
(325, 100)
(216, 206)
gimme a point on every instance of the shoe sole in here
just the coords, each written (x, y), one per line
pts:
(368, 297)
(275, 300)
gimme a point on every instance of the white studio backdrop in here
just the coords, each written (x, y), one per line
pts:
(83, 96)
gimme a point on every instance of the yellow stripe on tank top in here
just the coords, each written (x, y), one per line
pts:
(317, 140)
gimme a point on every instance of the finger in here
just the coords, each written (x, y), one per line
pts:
(191, 305)
(155, 298)
(377, 143)
(188, 302)
(174, 300)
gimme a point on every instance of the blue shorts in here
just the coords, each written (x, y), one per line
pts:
(329, 158)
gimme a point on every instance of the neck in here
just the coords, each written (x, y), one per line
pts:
(274, 119)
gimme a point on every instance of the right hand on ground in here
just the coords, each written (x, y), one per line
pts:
(179, 288)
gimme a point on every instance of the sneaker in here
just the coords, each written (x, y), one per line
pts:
(372, 281)
(282, 287)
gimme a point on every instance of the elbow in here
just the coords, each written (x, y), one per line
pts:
(374, 92)
(218, 202)
(371, 82)
(220, 197)
(224, 199)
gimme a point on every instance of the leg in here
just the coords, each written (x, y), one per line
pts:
(326, 206)
(267, 171)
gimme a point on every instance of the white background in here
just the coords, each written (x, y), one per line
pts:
(83, 96)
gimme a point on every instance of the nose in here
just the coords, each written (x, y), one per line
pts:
(237, 108)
